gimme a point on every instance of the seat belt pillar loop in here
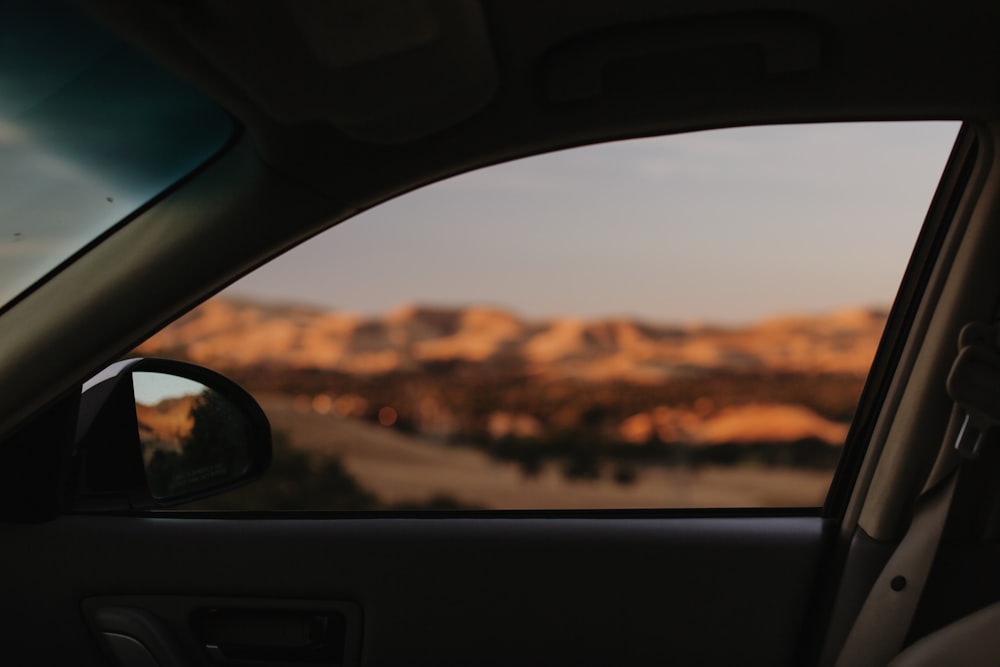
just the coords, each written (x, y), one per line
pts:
(974, 385)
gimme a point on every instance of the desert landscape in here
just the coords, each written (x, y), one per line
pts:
(476, 407)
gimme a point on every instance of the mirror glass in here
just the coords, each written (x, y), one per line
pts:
(193, 438)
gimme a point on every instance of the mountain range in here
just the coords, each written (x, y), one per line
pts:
(226, 333)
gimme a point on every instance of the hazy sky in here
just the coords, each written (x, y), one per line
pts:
(151, 388)
(725, 226)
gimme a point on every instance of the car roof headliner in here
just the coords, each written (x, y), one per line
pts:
(332, 104)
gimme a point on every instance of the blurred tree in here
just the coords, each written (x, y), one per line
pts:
(214, 450)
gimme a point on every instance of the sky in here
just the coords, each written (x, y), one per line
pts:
(724, 226)
(151, 388)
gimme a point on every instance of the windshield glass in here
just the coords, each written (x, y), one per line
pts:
(89, 133)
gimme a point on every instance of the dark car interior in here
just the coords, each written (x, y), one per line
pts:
(341, 106)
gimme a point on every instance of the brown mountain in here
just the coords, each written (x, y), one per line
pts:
(226, 333)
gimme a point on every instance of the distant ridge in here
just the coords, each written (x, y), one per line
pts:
(228, 332)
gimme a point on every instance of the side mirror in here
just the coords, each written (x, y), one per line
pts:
(159, 433)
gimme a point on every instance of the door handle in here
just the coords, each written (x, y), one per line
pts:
(137, 638)
(261, 637)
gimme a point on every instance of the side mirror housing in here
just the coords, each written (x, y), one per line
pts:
(156, 433)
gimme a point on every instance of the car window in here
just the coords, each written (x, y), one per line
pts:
(679, 321)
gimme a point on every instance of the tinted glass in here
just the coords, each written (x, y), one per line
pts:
(89, 132)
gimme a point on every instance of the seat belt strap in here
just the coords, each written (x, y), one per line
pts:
(880, 629)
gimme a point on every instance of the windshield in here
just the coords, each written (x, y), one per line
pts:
(89, 133)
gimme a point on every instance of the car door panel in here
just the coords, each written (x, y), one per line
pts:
(444, 591)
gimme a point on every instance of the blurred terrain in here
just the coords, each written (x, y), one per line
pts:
(477, 407)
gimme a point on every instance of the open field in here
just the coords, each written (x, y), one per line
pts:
(403, 468)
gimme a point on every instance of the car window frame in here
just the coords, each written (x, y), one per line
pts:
(847, 477)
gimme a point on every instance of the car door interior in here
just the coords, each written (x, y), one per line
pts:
(417, 591)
